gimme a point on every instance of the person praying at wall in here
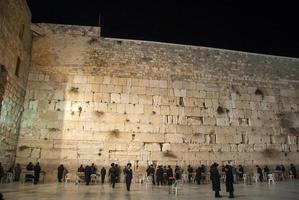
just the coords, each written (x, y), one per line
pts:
(215, 178)
(159, 175)
(1, 172)
(93, 169)
(60, 173)
(190, 171)
(260, 172)
(103, 174)
(87, 173)
(17, 170)
(81, 168)
(128, 176)
(198, 175)
(170, 177)
(113, 174)
(229, 180)
(37, 170)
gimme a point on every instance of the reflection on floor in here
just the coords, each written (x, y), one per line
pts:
(70, 191)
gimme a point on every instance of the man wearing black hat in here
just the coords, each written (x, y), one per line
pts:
(215, 178)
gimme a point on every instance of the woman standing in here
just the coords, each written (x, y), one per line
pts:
(128, 175)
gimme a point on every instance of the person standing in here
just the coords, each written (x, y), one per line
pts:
(1, 172)
(170, 177)
(159, 175)
(190, 171)
(18, 171)
(93, 169)
(241, 172)
(260, 172)
(128, 175)
(215, 178)
(87, 173)
(103, 174)
(81, 169)
(37, 170)
(112, 173)
(60, 170)
(177, 172)
(198, 175)
(229, 180)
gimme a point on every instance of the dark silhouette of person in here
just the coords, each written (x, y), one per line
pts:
(128, 176)
(241, 172)
(1, 195)
(1, 172)
(266, 170)
(151, 172)
(87, 173)
(93, 169)
(198, 175)
(260, 172)
(292, 170)
(190, 171)
(229, 180)
(159, 175)
(170, 177)
(30, 167)
(113, 174)
(165, 179)
(60, 171)
(215, 178)
(37, 170)
(177, 172)
(103, 174)
(18, 171)
(81, 168)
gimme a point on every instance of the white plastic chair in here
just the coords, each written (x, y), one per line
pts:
(68, 178)
(244, 177)
(149, 181)
(256, 178)
(93, 178)
(9, 177)
(271, 179)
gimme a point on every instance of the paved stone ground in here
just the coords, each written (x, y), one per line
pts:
(281, 190)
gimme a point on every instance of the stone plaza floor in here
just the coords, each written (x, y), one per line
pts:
(69, 191)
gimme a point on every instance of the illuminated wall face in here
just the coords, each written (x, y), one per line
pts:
(15, 54)
(92, 99)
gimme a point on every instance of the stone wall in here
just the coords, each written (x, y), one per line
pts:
(15, 50)
(101, 100)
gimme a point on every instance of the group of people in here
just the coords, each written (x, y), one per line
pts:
(263, 173)
(215, 178)
(17, 170)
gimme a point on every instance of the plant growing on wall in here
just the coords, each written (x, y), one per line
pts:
(259, 92)
(269, 153)
(115, 133)
(221, 110)
(93, 40)
(74, 89)
(53, 129)
(169, 154)
(99, 113)
(80, 110)
(23, 147)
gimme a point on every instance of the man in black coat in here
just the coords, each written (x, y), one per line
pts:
(215, 178)
(128, 176)
(113, 174)
(190, 171)
(198, 175)
(151, 172)
(37, 170)
(159, 175)
(260, 172)
(60, 170)
(87, 173)
(170, 177)
(229, 180)
(103, 174)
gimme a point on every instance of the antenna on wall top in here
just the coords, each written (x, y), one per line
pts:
(100, 27)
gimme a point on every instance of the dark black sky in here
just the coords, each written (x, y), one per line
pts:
(267, 27)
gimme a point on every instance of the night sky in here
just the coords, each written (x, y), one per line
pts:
(268, 27)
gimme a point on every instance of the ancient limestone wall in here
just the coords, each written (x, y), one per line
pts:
(102, 100)
(15, 50)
